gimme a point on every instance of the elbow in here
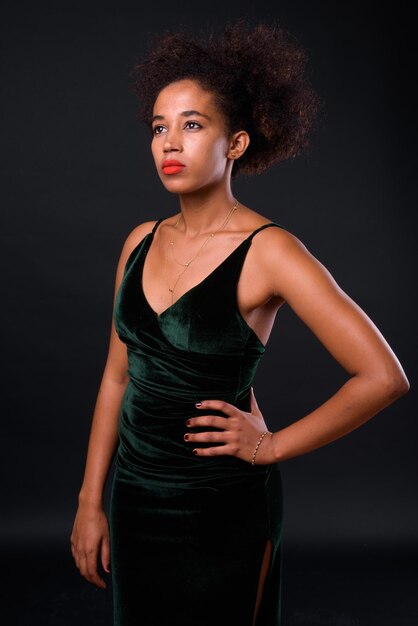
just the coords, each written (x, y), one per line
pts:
(404, 386)
(396, 386)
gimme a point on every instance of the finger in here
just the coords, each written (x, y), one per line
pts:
(82, 565)
(72, 548)
(217, 437)
(105, 554)
(92, 574)
(75, 552)
(214, 421)
(77, 562)
(214, 451)
(218, 405)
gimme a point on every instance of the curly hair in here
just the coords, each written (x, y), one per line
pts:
(257, 77)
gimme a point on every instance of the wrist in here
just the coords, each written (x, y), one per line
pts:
(276, 448)
(262, 437)
(90, 500)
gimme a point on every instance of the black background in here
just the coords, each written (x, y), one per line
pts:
(77, 176)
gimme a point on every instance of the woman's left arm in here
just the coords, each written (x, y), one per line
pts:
(376, 377)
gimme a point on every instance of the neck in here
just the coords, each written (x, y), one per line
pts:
(204, 214)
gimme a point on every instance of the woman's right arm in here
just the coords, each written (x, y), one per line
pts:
(90, 531)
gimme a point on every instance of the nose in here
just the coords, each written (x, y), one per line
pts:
(170, 146)
(172, 142)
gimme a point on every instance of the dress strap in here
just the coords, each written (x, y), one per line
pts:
(157, 223)
(261, 228)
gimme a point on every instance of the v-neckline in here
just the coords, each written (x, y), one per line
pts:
(186, 293)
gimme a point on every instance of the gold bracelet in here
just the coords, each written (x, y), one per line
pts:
(263, 434)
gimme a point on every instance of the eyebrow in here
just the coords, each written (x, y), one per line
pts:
(183, 114)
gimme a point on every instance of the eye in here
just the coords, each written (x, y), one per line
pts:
(193, 125)
(158, 129)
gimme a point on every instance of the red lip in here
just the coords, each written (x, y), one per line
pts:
(171, 166)
(169, 162)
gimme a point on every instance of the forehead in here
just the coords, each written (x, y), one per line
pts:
(185, 95)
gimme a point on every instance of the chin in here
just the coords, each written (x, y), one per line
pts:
(182, 186)
(179, 186)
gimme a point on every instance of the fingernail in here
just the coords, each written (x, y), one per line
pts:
(186, 437)
(108, 566)
(195, 451)
(188, 422)
(198, 404)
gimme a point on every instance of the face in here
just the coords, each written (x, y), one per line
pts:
(190, 143)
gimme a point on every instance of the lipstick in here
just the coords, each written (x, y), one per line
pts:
(171, 166)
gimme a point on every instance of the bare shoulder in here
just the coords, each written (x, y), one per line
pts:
(273, 239)
(131, 242)
(276, 250)
(136, 235)
(290, 267)
(277, 241)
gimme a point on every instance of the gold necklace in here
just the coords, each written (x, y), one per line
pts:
(186, 265)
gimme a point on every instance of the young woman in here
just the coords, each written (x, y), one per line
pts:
(196, 503)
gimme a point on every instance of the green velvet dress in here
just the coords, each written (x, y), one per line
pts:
(188, 533)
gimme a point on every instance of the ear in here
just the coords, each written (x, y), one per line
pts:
(238, 144)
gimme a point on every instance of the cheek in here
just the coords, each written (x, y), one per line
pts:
(218, 153)
(154, 149)
(214, 151)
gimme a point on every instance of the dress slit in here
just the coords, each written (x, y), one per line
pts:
(265, 567)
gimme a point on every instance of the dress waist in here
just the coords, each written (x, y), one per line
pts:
(152, 449)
